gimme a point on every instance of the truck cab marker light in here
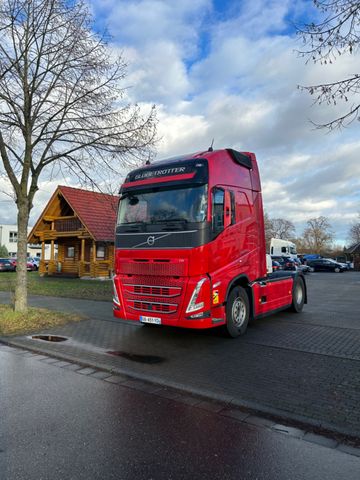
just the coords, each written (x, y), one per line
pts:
(193, 306)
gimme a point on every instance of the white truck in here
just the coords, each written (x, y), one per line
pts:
(279, 247)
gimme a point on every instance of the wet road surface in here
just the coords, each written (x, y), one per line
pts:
(59, 424)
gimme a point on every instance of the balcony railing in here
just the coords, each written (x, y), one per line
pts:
(68, 225)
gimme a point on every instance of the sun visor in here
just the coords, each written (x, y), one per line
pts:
(187, 172)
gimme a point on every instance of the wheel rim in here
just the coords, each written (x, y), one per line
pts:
(298, 294)
(238, 312)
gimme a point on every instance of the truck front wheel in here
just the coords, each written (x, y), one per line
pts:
(237, 312)
(298, 295)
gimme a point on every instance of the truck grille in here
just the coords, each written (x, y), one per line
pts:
(155, 267)
(153, 307)
(152, 294)
(152, 291)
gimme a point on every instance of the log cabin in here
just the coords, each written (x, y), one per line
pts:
(82, 225)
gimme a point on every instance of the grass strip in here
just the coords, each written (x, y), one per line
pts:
(60, 287)
(34, 320)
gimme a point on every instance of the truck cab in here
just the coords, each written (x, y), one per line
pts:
(279, 247)
(190, 245)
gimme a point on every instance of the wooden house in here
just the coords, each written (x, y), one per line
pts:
(353, 254)
(82, 225)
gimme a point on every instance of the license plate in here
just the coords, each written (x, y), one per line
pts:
(155, 320)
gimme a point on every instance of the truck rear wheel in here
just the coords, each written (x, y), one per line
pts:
(298, 295)
(237, 312)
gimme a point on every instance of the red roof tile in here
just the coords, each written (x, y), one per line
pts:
(97, 211)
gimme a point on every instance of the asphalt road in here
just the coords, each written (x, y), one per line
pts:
(59, 424)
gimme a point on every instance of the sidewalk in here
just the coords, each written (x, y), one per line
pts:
(275, 369)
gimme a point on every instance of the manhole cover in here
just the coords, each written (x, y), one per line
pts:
(138, 358)
(49, 338)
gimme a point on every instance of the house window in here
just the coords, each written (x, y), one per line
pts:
(70, 252)
(13, 237)
(100, 251)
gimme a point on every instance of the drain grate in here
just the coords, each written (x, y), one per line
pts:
(49, 338)
(138, 358)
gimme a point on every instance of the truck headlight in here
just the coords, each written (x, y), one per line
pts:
(115, 294)
(193, 305)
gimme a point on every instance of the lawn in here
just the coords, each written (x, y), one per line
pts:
(34, 320)
(60, 287)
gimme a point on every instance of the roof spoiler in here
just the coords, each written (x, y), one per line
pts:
(240, 158)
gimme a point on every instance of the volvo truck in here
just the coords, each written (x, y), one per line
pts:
(190, 246)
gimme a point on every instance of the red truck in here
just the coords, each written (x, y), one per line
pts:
(190, 246)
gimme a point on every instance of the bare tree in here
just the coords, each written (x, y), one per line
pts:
(268, 230)
(61, 105)
(282, 228)
(354, 232)
(318, 234)
(337, 33)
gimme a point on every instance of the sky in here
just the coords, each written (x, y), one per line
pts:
(228, 70)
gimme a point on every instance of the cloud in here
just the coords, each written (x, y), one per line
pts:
(229, 71)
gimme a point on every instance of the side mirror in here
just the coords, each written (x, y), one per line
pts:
(227, 209)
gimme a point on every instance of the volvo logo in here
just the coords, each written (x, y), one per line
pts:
(150, 240)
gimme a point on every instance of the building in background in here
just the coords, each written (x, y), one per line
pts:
(353, 255)
(8, 238)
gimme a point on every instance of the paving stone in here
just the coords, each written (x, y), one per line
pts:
(139, 385)
(259, 421)
(86, 371)
(235, 413)
(167, 393)
(101, 375)
(291, 431)
(210, 406)
(50, 360)
(40, 357)
(62, 363)
(115, 379)
(73, 366)
(188, 400)
(348, 449)
(320, 440)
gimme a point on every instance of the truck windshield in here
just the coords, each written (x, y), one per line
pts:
(161, 206)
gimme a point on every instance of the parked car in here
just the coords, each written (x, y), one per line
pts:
(305, 268)
(326, 265)
(6, 265)
(286, 263)
(344, 264)
(30, 266)
(276, 266)
(35, 261)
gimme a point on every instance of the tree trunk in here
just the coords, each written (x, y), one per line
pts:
(21, 272)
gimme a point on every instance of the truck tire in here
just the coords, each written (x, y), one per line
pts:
(298, 295)
(237, 312)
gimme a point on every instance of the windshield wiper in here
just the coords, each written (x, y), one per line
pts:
(138, 222)
(170, 220)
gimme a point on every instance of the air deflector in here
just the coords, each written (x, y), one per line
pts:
(240, 158)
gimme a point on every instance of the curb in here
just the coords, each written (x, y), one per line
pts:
(323, 433)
